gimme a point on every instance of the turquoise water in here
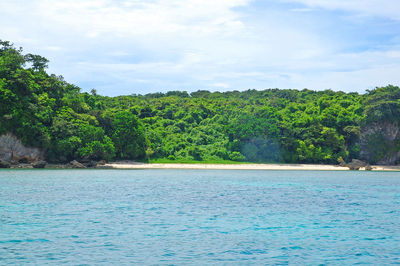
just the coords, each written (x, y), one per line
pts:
(199, 217)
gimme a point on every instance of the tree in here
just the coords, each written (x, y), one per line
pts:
(383, 104)
(39, 63)
(128, 136)
(77, 136)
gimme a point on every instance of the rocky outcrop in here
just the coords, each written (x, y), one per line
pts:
(101, 162)
(76, 164)
(368, 167)
(355, 164)
(12, 150)
(39, 164)
(380, 143)
(24, 159)
(4, 164)
(88, 162)
(342, 163)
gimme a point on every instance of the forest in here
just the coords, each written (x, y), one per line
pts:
(273, 125)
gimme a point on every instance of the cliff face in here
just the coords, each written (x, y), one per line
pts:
(380, 143)
(12, 150)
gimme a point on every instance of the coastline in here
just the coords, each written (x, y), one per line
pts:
(210, 166)
(309, 167)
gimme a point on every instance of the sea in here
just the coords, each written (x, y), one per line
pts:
(199, 217)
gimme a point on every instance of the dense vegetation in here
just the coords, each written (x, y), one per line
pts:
(260, 126)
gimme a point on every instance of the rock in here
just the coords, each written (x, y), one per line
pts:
(356, 164)
(368, 167)
(342, 162)
(23, 160)
(380, 153)
(76, 164)
(23, 165)
(4, 164)
(90, 163)
(58, 166)
(353, 165)
(102, 162)
(39, 164)
(12, 149)
(5, 155)
(105, 167)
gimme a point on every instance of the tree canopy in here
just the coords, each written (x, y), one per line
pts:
(271, 125)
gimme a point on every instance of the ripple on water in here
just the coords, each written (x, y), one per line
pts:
(199, 217)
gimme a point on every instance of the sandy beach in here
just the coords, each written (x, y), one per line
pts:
(318, 167)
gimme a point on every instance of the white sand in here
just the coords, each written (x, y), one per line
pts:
(135, 165)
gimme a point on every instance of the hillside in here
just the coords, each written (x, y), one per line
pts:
(46, 112)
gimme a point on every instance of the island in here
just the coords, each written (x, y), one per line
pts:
(44, 120)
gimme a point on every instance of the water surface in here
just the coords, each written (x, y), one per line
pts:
(199, 217)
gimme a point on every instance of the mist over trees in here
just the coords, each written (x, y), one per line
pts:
(273, 125)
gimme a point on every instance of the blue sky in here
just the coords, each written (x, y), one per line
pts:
(133, 46)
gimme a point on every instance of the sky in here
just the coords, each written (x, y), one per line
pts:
(122, 47)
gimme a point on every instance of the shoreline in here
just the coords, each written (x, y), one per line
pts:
(309, 167)
(210, 166)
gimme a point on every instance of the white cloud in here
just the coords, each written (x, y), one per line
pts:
(383, 8)
(301, 9)
(220, 85)
(133, 46)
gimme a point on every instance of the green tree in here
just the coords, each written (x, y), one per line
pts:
(128, 136)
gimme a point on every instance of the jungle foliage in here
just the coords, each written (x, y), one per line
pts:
(271, 125)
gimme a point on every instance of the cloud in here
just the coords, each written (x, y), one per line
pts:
(383, 8)
(220, 85)
(133, 46)
(301, 9)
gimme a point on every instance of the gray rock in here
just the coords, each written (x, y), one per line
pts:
(354, 164)
(104, 167)
(358, 162)
(4, 164)
(368, 167)
(12, 149)
(353, 167)
(39, 164)
(90, 163)
(24, 159)
(76, 164)
(342, 162)
(23, 165)
(390, 133)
